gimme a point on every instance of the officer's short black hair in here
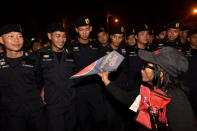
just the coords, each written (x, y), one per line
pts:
(55, 26)
(117, 30)
(159, 30)
(192, 32)
(10, 28)
(82, 21)
(130, 32)
(99, 30)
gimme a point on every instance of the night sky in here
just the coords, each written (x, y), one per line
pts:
(35, 15)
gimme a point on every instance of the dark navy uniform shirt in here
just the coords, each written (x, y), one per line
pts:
(118, 76)
(134, 66)
(19, 83)
(56, 69)
(84, 55)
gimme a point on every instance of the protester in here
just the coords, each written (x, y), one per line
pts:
(163, 102)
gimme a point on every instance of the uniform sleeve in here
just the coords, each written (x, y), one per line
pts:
(179, 112)
(121, 95)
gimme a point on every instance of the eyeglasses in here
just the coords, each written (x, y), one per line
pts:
(147, 66)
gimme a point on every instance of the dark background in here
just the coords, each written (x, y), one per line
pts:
(34, 16)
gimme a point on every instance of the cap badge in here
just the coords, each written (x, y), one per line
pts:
(146, 26)
(177, 25)
(133, 31)
(122, 29)
(87, 21)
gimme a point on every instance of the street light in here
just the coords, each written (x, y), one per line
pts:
(111, 19)
(195, 11)
(116, 20)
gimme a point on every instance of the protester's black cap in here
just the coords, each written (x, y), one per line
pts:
(53, 27)
(185, 27)
(191, 32)
(10, 28)
(117, 30)
(176, 25)
(130, 32)
(100, 29)
(141, 28)
(82, 21)
(169, 58)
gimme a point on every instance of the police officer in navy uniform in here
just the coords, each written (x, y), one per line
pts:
(184, 34)
(160, 34)
(89, 98)
(113, 110)
(173, 33)
(130, 38)
(133, 61)
(102, 36)
(116, 41)
(20, 102)
(189, 78)
(133, 65)
(151, 44)
(58, 93)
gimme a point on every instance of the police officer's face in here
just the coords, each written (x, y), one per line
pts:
(84, 31)
(183, 34)
(36, 46)
(162, 35)
(58, 39)
(193, 40)
(116, 39)
(151, 38)
(12, 41)
(131, 40)
(148, 73)
(143, 37)
(173, 34)
(103, 37)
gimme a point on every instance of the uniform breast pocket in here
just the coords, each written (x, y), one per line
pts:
(28, 69)
(69, 67)
(47, 65)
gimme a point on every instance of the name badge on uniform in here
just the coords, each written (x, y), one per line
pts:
(4, 66)
(76, 48)
(160, 44)
(123, 51)
(47, 57)
(24, 64)
(188, 53)
(132, 53)
(2, 63)
(69, 60)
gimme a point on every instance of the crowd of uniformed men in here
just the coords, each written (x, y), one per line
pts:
(37, 94)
